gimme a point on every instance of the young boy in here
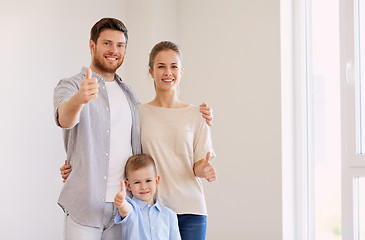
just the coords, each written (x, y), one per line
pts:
(142, 217)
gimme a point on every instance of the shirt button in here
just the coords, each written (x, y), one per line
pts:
(153, 228)
(104, 177)
(106, 154)
(103, 87)
(103, 200)
(107, 109)
(107, 131)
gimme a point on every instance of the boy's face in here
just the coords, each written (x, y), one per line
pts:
(143, 183)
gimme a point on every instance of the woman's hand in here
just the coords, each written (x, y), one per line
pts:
(205, 169)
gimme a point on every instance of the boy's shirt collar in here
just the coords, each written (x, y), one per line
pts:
(141, 204)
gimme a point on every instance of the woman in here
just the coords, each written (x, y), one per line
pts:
(177, 137)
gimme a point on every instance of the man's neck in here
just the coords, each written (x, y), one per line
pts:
(109, 77)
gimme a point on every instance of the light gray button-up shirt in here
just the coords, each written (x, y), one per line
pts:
(87, 146)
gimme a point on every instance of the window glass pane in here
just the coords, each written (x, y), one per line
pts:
(324, 117)
(360, 32)
(359, 208)
(361, 213)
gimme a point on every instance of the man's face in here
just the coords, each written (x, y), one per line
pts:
(108, 53)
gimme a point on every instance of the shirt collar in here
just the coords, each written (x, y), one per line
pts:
(142, 204)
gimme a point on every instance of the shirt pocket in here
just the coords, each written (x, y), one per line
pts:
(184, 140)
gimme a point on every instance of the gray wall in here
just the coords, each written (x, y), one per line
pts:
(231, 59)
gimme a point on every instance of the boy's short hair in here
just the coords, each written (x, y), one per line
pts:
(137, 162)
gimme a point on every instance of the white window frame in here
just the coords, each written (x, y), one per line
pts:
(297, 224)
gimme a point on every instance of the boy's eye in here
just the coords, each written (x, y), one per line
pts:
(149, 180)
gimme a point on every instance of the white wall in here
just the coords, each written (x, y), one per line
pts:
(41, 42)
(232, 61)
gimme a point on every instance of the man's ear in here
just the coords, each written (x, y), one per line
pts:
(92, 46)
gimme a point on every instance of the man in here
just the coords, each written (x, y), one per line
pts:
(99, 116)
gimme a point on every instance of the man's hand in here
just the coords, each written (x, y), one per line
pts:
(120, 202)
(65, 171)
(69, 111)
(89, 88)
(207, 113)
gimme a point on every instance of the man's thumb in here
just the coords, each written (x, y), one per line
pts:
(88, 73)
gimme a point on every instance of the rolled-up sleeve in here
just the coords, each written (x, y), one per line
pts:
(64, 90)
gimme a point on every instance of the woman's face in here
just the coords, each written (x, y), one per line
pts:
(167, 70)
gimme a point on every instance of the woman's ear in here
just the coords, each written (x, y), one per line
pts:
(151, 73)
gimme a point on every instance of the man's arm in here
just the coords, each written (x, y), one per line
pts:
(207, 113)
(69, 111)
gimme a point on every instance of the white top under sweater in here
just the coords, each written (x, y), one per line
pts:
(120, 138)
(176, 138)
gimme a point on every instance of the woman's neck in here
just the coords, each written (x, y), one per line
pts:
(167, 100)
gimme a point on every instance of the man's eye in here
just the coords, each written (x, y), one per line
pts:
(161, 66)
(136, 182)
(149, 180)
(174, 66)
(121, 45)
(106, 43)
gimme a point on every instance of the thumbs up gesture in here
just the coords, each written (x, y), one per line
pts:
(119, 199)
(204, 169)
(208, 169)
(89, 88)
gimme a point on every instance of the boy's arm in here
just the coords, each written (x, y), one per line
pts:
(174, 228)
(121, 203)
(69, 111)
(204, 169)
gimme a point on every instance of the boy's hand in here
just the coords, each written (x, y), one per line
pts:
(65, 171)
(119, 199)
(121, 203)
(208, 169)
(207, 113)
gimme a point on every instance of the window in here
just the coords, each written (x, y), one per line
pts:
(316, 160)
